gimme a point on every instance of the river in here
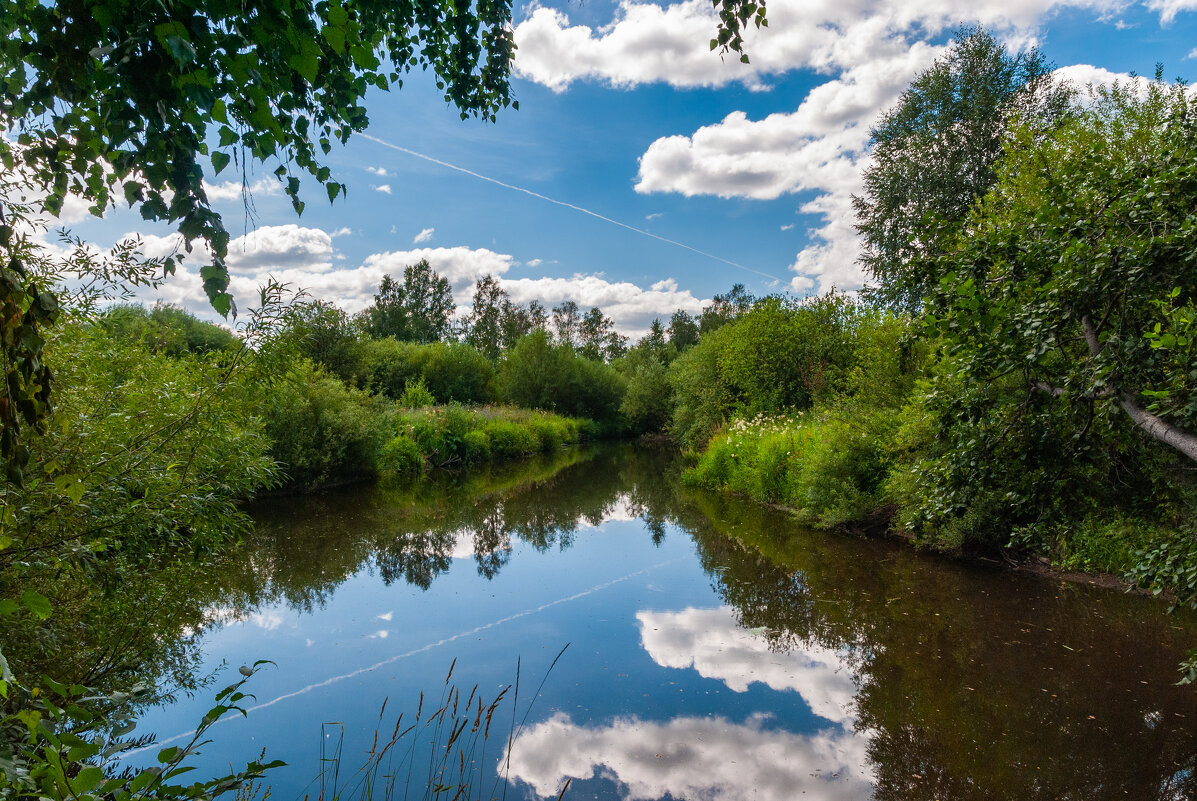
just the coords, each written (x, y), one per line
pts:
(713, 650)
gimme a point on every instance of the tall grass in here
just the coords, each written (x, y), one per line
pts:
(828, 469)
(458, 731)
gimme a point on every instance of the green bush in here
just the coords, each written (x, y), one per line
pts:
(166, 329)
(508, 439)
(452, 372)
(401, 456)
(416, 395)
(322, 431)
(828, 470)
(539, 375)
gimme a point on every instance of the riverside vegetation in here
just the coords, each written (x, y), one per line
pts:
(1019, 380)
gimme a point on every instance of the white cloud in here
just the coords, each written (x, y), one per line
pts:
(534, 262)
(821, 147)
(1168, 9)
(234, 190)
(694, 759)
(647, 43)
(654, 216)
(384, 188)
(424, 235)
(305, 257)
(345, 231)
(631, 307)
(1192, 53)
(711, 642)
(789, 227)
(379, 171)
(386, 616)
(268, 621)
(870, 48)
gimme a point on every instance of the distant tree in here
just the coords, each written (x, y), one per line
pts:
(934, 155)
(725, 308)
(538, 318)
(418, 310)
(566, 323)
(491, 310)
(597, 337)
(683, 330)
(654, 340)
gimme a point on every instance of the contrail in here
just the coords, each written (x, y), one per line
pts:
(595, 214)
(392, 659)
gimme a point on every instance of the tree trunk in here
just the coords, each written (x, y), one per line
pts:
(1159, 429)
(1154, 426)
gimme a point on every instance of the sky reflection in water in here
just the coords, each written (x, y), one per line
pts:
(709, 657)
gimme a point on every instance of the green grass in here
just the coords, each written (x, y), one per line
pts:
(459, 436)
(825, 468)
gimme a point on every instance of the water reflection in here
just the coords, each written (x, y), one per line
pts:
(716, 646)
(692, 758)
(719, 650)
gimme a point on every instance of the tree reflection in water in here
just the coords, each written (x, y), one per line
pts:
(929, 679)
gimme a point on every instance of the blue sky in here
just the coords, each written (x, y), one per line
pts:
(626, 113)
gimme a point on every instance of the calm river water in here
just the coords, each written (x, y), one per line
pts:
(716, 650)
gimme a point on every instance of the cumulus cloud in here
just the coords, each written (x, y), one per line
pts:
(712, 643)
(647, 43)
(345, 231)
(384, 188)
(423, 236)
(631, 307)
(235, 190)
(704, 759)
(871, 49)
(379, 171)
(821, 147)
(305, 258)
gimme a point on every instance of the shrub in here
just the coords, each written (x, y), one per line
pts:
(416, 395)
(539, 375)
(453, 372)
(401, 456)
(324, 431)
(829, 470)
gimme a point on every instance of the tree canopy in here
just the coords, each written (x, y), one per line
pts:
(934, 156)
(1078, 271)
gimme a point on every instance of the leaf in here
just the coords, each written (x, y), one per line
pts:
(36, 603)
(70, 485)
(220, 161)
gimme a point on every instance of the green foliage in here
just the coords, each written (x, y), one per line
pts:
(401, 456)
(455, 436)
(725, 308)
(935, 155)
(124, 103)
(417, 310)
(322, 431)
(784, 355)
(326, 335)
(827, 469)
(167, 329)
(416, 394)
(683, 330)
(143, 450)
(701, 399)
(648, 400)
(452, 372)
(540, 375)
(1048, 311)
(59, 742)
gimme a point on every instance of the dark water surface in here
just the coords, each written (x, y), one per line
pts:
(716, 649)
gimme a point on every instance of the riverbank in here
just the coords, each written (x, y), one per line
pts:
(833, 474)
